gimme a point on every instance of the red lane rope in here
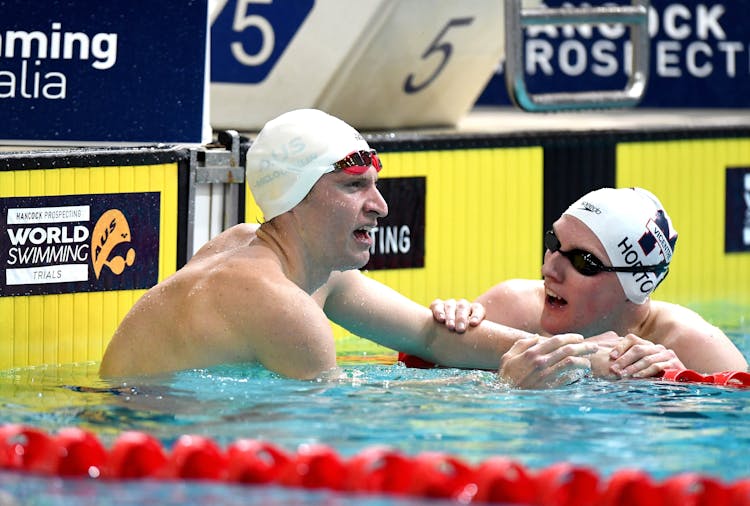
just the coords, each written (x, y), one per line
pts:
(74, 452)
(739, 379)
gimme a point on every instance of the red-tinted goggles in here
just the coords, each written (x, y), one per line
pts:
(357, 162)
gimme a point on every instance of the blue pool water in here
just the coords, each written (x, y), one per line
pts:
(660, 427)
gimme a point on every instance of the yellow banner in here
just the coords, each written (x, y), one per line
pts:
(689, 178)
(71, 253)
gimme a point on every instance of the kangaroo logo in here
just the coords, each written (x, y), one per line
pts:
(110, 230)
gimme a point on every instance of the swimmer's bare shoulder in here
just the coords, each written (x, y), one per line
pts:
(155, 335)
(699, 344)
(226, 306)
(265, 316)
(233, 237)
(517, 303)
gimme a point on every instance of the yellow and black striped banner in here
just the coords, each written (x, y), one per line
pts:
(80, 244)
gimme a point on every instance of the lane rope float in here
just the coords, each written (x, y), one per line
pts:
(75, 452)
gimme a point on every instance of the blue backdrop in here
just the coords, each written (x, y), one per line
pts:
(97, 71)
(700, 56)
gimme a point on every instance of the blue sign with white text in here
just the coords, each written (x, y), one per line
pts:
(737, 213)
(82, 71)
(79, 243)
(700, 56)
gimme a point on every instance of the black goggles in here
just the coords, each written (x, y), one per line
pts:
(357, 162)
(588, 265)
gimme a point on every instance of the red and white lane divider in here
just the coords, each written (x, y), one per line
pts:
(74, 452)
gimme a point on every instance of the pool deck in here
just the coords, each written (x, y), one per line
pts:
(510, 120)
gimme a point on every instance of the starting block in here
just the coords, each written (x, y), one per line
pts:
(377, 64)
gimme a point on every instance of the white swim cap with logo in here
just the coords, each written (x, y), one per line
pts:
(634, 229)
(292, 152)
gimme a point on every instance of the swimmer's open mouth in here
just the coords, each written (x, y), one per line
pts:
(554, 300)
(363, 234)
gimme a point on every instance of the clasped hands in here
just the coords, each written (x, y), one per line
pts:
(547, 362)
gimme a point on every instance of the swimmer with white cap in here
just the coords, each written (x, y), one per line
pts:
(265, 294)
(604, 257)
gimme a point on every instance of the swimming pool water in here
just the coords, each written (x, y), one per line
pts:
(660, 427)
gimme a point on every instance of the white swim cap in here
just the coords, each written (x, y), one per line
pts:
(634, 229)
(292, 152)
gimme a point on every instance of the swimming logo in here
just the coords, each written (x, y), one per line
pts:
(111, 230)
(587, 206)
(79, 243)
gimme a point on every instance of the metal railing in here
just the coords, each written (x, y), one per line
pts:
(517, 18)
(213, 192)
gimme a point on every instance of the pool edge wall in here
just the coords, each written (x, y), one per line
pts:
(131, 235)
(467, 210)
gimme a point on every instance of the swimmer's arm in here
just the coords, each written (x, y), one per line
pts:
(457, 314)
(376, 312)
(547, 362)
(631, 356)
(699, 345)
(707, 350)
(516, 303)
(281, 327)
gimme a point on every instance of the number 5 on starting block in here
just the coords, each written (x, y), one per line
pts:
(374, 63)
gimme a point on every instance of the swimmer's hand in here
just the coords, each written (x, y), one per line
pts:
(632, 357)
(546, 362)
(457, 315)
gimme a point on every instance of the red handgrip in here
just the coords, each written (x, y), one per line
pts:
(726, 378)
(414, 361)
(732, 378)
(686, 376)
